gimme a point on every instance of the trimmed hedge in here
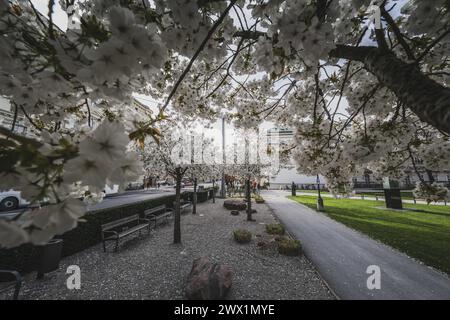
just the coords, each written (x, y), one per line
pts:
(25, 258)
(203, 195)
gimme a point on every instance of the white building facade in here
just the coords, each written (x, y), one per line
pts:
(288, 173)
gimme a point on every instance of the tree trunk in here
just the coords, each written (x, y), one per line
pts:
(429, 100)
(430, 176)
(177, 216)
(249, 200)
(214, 191)
(194, 198)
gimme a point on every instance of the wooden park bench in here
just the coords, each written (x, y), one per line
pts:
(118, 229)
(158, 213)
(185, 205)
(10, 279)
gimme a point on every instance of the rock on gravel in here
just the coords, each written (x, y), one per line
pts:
(208, 280)
(235, 205)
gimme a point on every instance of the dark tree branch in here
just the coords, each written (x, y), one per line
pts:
(248, 34)
(228, 69)
(16, 110)
(431, 46)
(200, 49)
(29, 119)
(390, 21)
(381, 39)
(429, 100)
(419, 175)
(89, 112)
(51, 33)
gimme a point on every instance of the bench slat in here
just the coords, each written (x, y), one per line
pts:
(134, 229)
(155, 209)
(120, 222)
(160, 216)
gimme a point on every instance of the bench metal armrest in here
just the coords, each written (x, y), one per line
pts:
(17, 278)
(16, 275)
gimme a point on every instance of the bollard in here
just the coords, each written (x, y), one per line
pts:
(320, 206)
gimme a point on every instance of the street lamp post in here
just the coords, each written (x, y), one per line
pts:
(320, 206)
(222, 186)
(214, 191)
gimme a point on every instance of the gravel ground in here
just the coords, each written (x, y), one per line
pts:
(151, 267)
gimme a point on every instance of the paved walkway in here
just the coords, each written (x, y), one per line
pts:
(342, 256)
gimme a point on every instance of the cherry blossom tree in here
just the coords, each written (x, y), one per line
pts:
(166, 157)
(202, 163)
(358, 97)
(245, 166)
(174, 155)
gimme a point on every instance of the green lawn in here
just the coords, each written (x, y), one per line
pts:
(423, 234)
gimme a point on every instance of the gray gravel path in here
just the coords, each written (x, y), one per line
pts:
(342, 256)
(151, 267)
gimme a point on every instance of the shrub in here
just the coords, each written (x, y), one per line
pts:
(275, 228)
(289, 247)
(242, 236)
(259, 199)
